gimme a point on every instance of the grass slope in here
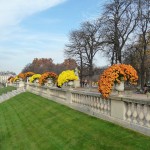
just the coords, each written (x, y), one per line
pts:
(6, 89)
(30, 122)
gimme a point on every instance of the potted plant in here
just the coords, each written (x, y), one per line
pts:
(48, 78)
(116, 74)
(66, 77)
(21, 76)
(27, 75)
(35, 78)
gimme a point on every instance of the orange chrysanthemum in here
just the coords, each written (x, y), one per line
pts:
(28, 74)
(21, 75)
(46, 75)
(115, 74)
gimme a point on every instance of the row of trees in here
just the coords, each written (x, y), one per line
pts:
(120, 32)
(42, 65)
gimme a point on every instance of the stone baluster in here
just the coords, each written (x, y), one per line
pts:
(76, 100)
(87, 101)
(109, 107)
(147, 116)
(80, 98)
(75, 97)
(128, 113)
(140, 114)
(134, 114)
(90, 102)
(94, 103)
(98, 104)
(84, 99)
(101, 106)
(80, 101)
(105, 107)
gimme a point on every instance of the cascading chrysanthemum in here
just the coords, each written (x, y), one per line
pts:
(34, 77)
(115, 74)
(46, 75)
(65, 76)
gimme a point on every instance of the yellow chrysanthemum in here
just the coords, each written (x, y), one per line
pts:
(16, 78)
(66, 76)
(35, 76)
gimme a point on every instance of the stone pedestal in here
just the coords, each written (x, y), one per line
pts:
(120, 88)
(20, 84)
(117, 108)
(76, 83)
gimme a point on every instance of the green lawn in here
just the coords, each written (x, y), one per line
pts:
(6, 89)
(30, 122)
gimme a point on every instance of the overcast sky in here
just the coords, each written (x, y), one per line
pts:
(39, 29)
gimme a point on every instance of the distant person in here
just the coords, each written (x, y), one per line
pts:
(85, 82)
(145, 88)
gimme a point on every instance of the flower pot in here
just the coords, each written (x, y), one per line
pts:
(36, 81)
(50, 82)
(70, 83)
(119, 87)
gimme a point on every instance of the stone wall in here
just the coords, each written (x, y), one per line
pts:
(127, 112)
(8, 95)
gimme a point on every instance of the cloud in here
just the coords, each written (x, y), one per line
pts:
(18, 45)
(13, 60)
(13, 12)
(23, 48)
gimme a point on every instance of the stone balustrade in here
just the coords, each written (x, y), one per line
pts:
(92, 101)
(10, 94)
(137, 112)
(125, 111)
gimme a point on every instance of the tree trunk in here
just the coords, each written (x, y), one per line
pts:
(90, 75)
(142, 76)
(81, 71)
(112, 58)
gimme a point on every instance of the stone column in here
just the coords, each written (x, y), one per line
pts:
(117, 108)
(68, 96)
(21, 85)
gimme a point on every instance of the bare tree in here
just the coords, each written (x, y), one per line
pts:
(144, 34)
(92, 42)
(120, 20)
(75, 50)
(85, 43)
